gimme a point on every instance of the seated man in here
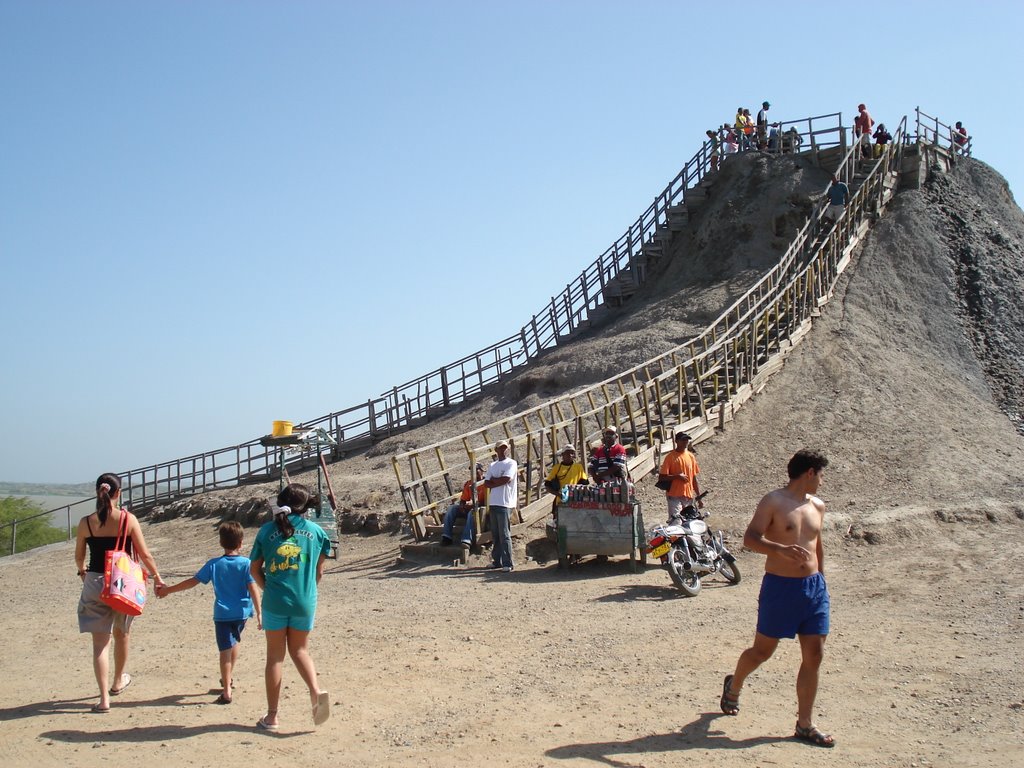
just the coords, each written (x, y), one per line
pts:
(609, 460)
(567, 472)
(465, 506)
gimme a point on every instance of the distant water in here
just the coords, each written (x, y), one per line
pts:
(60, 517)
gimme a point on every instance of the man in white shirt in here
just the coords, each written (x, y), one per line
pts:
(762, 125)
(501, 481)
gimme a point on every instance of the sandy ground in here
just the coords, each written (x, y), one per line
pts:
(906, 382)
(437, 665)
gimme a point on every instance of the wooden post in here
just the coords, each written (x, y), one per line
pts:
(529, 489)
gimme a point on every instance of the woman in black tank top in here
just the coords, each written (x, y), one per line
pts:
(97, 535)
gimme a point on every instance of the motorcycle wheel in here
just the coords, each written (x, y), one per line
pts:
(687, 581)
(731, 571)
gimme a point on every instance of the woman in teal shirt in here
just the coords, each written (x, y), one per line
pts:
(288, 562)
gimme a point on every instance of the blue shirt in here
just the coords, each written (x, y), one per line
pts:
(231, 579)
(838, 193)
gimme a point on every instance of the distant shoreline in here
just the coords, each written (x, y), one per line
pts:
(47, 502)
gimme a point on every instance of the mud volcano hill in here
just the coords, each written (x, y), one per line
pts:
(910, 379)
(901, 381)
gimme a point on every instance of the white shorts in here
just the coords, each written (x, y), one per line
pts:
(676, 505)
(835, 211)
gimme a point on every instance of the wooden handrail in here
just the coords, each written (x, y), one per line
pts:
(414, 401)
(700, 386)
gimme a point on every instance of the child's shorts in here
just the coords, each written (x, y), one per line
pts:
(790, 606)
(229, 633)
(275, 621)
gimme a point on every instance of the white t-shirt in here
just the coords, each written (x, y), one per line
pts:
(504, 495)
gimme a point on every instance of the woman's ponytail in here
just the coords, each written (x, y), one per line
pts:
(107, 486)
(292, 500)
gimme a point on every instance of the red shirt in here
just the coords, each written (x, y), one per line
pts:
(863, 122)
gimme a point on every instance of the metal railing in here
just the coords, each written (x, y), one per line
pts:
(13, 525)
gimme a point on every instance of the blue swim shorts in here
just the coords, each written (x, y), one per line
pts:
(229, 633)
(790, 606)
(274, 621)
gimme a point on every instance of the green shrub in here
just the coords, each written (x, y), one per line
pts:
(31, 533)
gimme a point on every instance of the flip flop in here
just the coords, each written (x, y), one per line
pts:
(99, 709)
(322, 708)
(813, 735)
(222, 699)
(263, 725)
(119, 691)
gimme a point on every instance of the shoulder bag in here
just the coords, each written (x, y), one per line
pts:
(124, 581)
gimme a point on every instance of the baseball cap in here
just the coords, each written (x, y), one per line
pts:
(501, 443)
(567, 449)
(682, 435)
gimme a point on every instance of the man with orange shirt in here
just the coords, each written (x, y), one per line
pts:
(465, 505)
(680, 466)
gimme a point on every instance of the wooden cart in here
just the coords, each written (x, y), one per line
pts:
(600, 528)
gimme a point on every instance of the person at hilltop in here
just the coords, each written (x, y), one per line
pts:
(729, 137)
(502, 481)
(287, 563)
(608, 460)
(748, 129)
(740, 128)
(791, 141)
(762, 125)
(794, 599)
(960, 137)
(715, 149)
(863, 124)
(235, 599)
(680, 467)
(97, 535)
(882, 137)
(465, 506)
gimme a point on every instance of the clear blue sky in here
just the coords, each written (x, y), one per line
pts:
(217, 214)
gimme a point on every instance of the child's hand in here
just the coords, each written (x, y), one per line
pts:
(159, 589)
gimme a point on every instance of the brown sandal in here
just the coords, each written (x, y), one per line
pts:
(813, 735)
(730, 701)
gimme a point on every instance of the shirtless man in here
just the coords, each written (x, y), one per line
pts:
(794, 600)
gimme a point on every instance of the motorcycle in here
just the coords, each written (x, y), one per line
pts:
(689, 550)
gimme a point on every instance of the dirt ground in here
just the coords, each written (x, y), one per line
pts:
(437, 665)
(430, 664)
